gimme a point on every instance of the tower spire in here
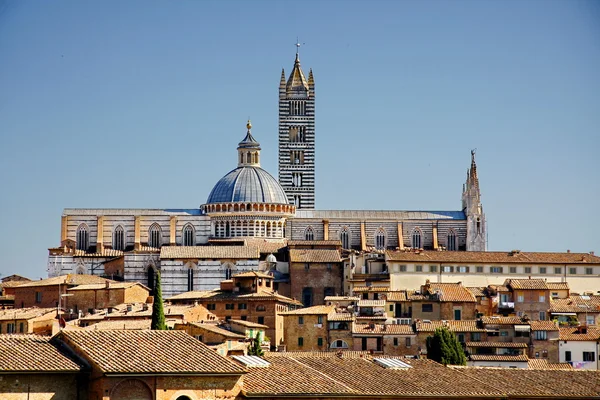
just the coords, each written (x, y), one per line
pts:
(248, 149)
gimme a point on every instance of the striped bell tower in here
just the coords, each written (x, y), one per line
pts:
(297, 136)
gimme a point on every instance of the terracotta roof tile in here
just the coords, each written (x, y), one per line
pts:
(340, 317)
(453, 326)
(382, 329)
(527, 284)
(71, 279)
(452, 292)
(557, 285)
(33, 354)
(399, 295)
(113, 285)
(507, 345)
(542, 363)
(477, 291)
(503, 320)
(249, 324)
(573, 303)
(104, 253)
(371, 289)
(314, 310)
(24, 313)
(543, 326)
(252, 274)
(342, 298)
(293, 243)
(315, 255)
(498, 357)
(210, 252)
(218, 330)
(572, 334)
(148, 352)
(111, 325)
(491, 257)
(371, 303)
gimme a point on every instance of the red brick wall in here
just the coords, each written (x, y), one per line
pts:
(25, 297)
(318, 277)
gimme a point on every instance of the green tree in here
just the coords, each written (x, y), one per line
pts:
(445, 348)
(254, 348)
(158, 312)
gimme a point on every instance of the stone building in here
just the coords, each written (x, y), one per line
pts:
(306, 329)
(249, 204)
(105, 295)
(32, 320)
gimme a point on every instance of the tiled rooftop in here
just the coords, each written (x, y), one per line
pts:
(249, 324)
(314, 310)
(110, 325)
(398, 295)
(498, 357)
(576, 304)
(527, 284)
(252, 274)
(542, 363)
(543, 326)
(32, 353)
(71, 279)
(453, 326)
(104, 253)
(113, 285)
(315, 256)
(491, 257)
(210, 252)
(148, 352)
(381, 329)
(24, 313)
(292, 243)
(218, 330)
(451, 292)
(557, 285)
(503, 320)
(572, 334)
(507, 345)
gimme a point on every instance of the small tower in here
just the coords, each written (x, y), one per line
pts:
(248, 150)
(297, 136)
(471, 205)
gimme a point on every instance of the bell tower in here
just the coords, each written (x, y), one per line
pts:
(471, 205)
(297, 136)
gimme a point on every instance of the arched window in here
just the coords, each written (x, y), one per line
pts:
(416, 239)
(80, 270)
(380, 239)
(339, 344)
(248, 159)
(309, 233)
(228, 272)
(188, 235)
(451, 244)
(154, 236)
(151, 275)
(119, 238)
(190, 279)
(83, 237)
(345, 238)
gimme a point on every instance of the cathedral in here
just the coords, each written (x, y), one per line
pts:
(249, 216)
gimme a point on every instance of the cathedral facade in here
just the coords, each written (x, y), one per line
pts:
(249, 215)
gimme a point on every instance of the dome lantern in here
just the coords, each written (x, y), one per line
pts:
(249, 150)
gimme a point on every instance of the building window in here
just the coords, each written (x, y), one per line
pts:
(21, 327)
(211, 306)
(573, 270)
(590, 320)
(228, 273)
(154, 236)
(11, 328)
(345, 238)
(558, 270)
(527, 270)
(301, 320)
(306, 266)
(541, 335)
(309, 233)
(542, 298)
(119, 238)
(38, 297)
(542, 270)
(380, 239)
(589, 356)
(462, 269)
(542, 315)
(229, 306)
(320, 341)
(190, 279)
(329, 266)
(448, 268)
(461, 337)
(427, 308)
(496, 270)
(520, 298)
(408, 342)
(416, 238)
(419, 268)
(242, 306)
(567, 356)
(244, 317)
(320, 319)
(188, 235)
(476, 336)
(261, 320)
(329, 291)
(300, 341)
(307, 296)
(395, 341)
(403, 268)
(479, 269)
(433, 268)
(260, 308)
(83, 237)
(339, 344)
(589, 271)
(512, 270)
(452, 240)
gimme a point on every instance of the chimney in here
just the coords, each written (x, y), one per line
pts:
(129, 307)
(568, 251)
(107, 284)
(591, 253)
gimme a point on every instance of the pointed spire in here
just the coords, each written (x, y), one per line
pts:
(311, 79)
(473, 170)
(282, 80)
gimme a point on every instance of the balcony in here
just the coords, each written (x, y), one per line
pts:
(506, 304)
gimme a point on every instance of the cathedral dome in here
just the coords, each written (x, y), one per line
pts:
(247, 184)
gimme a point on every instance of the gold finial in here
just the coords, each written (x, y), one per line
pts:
(249, 125)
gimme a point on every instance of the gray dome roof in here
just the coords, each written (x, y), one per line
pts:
(247, 185)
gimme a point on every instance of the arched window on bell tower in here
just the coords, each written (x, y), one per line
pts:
(380, 239)
(451, 244)
(416, 239)
(345, 238)
(83, 237)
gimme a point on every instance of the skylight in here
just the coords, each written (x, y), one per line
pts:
(252, 361)
(391, 363)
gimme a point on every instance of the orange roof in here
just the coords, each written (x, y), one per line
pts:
(453, 292)
(572, 334)
(492, 257)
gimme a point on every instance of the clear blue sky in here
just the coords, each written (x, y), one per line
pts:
(139, 104)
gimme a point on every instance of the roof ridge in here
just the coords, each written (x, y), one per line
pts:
(325, 375)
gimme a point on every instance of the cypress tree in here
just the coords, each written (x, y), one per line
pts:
(158, 312)
(254, 349)
(444, 347)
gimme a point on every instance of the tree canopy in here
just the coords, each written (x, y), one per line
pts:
(158, 312)
(445, 348)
